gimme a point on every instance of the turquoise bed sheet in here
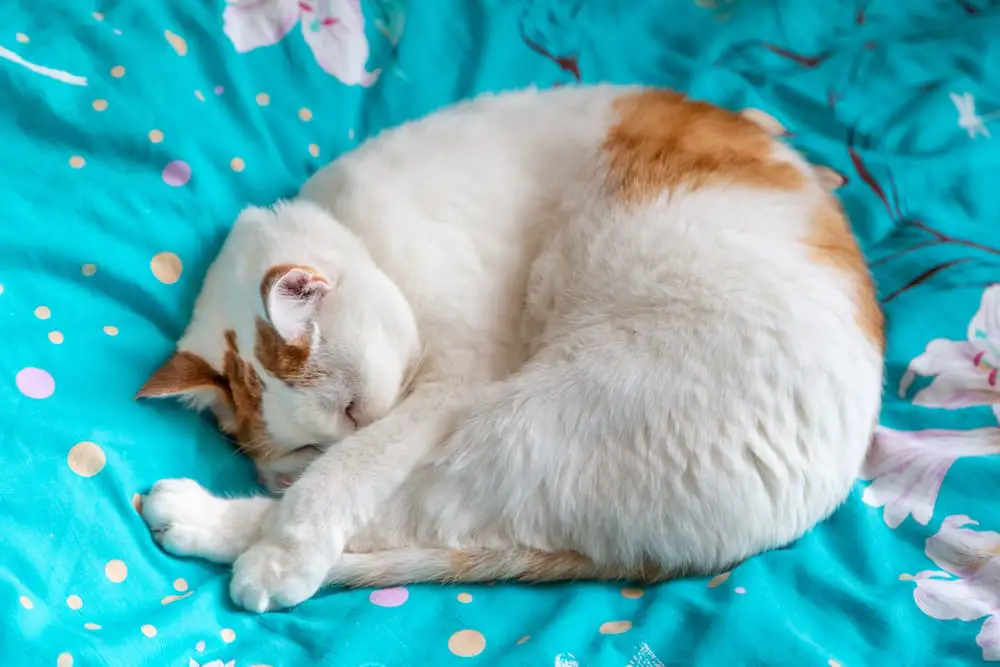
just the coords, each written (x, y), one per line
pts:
(130, 135)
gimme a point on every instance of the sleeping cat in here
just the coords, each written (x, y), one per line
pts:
(597, 332)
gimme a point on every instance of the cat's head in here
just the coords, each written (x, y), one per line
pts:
(297, 340)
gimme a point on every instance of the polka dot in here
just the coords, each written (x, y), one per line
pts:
(615, 627)
(118, 71)
(117, 31)
(99, 105)
(237, 164)
(200, 95)
(180, 585)
(389, 597)
(74, 602)
(632, 593)
(43, 312)
(523, 640)
(314, 150)
(167, 267)
(833, 663)
(718, 580)
(170, 599)
(228, 635)
(176, 173)
(1, 289)
(87, 459)
(88, 270)
(200, 646)
(739, 590)
(218, 90)
(116, 571)
(35, 383)
(305, 115)
(56, 337)
(467, 643)
(77, 162)
(91, 626)
(137, 502)
(155, 136)
(464, 598)
(26, 602)
(350, 134)
(64, 660)
(176, 41)
(111, 331)
(263, 99)
(906, 577)
(98, 16)
(149, 630)
(21, 37)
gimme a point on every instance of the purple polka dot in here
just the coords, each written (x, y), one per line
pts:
(177, 173)
(389, 597)
(35, 383)
(219, 90)
(739, 590)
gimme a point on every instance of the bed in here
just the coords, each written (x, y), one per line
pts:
(131, 135)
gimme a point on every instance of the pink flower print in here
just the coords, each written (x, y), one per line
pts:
(333, 29)
(908, 467)
(968, 585)
(966, 372)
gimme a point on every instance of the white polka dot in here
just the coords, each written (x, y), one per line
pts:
(180, 585)
(74, 602)
(200, 646)
(56, 337)
(64, 660)
(228, 635)
(86, 459)
(91, 626)
(116, 571)
(149, 630)
(43, 312)
(26, 602)
(464, 598)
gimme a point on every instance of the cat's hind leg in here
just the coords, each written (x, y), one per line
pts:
(187, 520)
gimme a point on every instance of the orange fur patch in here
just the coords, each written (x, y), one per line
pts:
(663, 140)
(181, 373)
(833, 243)
(244, 392)
(287, 361)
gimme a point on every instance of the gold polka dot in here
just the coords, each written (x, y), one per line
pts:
(263, 99)
(632, 593)
(200, 95)
(156, 136)
(86, 459)
(43, 312)
(177, 42)
(99, 105)
(523, 640)
(615, 627)
(718, 580)
(467, 643)
(56, 337)
(170, 599)
(906, 577)
(149, 630)
(98, 16)
(74, 602)
(200, 646)
(237, 164)
(228, 635)
(64, 660)
(464, 598)
(77, 162)
(26, 602)
(305, 114)
(137, 502)
(91, 626)
(116, 571)
(167, 267)
(111, 331)
(21, 37)
(88, 270)
(118, 71)
(180, 585)
(314, 150)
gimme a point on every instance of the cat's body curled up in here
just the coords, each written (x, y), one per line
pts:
(599, 332)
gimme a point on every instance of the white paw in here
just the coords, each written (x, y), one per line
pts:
(187, 520)
(272, 576)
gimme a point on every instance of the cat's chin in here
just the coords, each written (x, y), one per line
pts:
(278, 474)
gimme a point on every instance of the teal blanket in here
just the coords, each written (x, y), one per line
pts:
(131, 135)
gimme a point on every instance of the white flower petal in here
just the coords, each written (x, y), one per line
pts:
(251, 24)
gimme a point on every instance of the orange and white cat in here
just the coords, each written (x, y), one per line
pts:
(594, 332)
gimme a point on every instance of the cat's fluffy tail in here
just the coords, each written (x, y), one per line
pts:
(413, 565)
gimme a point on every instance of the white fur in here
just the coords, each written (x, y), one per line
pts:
(679, 383)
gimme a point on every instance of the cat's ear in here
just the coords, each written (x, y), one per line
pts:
(292, 295)
(183, 374)
(765, 121)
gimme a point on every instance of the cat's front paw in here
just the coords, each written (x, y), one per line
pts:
(271, 576)
(187, 520)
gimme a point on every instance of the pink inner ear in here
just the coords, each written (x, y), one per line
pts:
(301, 285)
